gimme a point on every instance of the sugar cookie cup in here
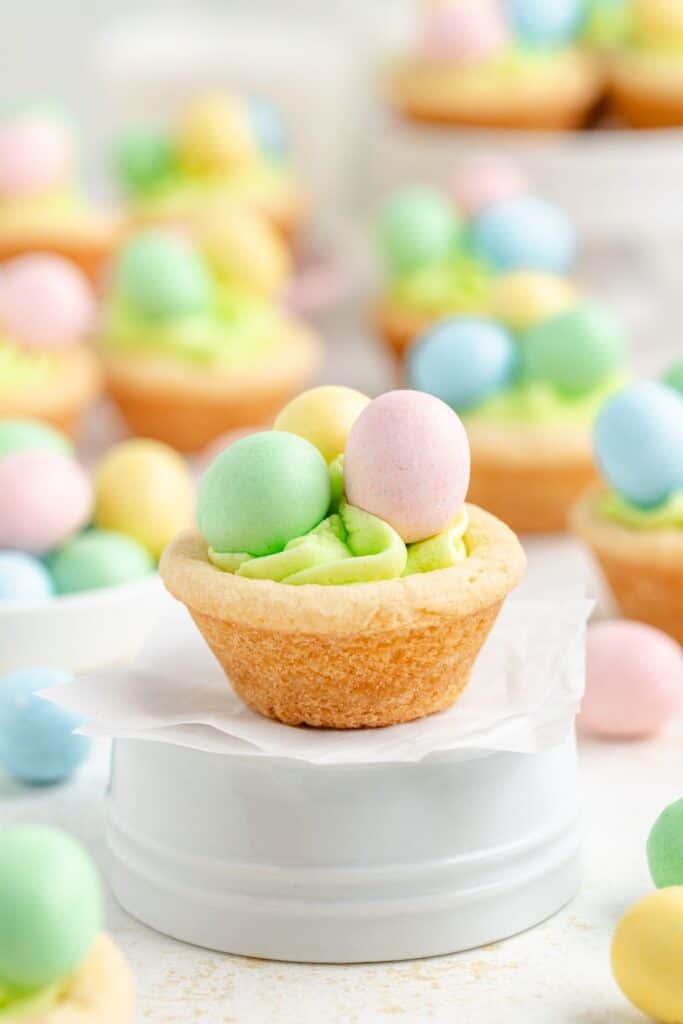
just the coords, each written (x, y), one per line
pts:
(647, 89)
(62, 397)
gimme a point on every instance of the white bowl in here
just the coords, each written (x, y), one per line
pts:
(79, 631)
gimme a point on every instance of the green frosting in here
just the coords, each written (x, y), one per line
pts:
(666, 516)
(14, 1007)
(539, 402)
(609, 23)
(178, 191)
(20, 368)
(460, 285)
(446, 549)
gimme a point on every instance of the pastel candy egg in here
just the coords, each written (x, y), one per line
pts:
(647, 955)
(144, 158)
(245, 250)
(634, 680)
(464, 32)
(17, 435)
(162, 275)
(674, 377)
(659, 22)
(36, 153)
(524, 298)
(215, 134)
(46, 302)
(463, 361)
(407, 461)
(144, 489)
(665, 847)
(324, 416)
(221, 443)
(99, 558)
(547, 23)
(45, 498)
(576, 350)
(51, 906)
(23, 578)
(525, 233)
(418, 226)
(262, 492)
(268, 127)
(487, 182)
(37, 740)
(638, 441)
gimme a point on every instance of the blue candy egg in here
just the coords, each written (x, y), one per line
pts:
(547, 23)
(37, 744)
(268, 125)
(525, 233)
(23, 578)
(463, 361)
(638, 441)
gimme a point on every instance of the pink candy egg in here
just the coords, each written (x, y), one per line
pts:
(407, 461)
(634, 680)
(466, 32)
(487, 182)
(35, 154)
(45, 498)
(46, 302)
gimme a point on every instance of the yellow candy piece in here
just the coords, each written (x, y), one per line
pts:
(647, 955)
(215, 135)
(659, 22)
(144, 489)
(525, 297)
(324, 416)
(245, 250)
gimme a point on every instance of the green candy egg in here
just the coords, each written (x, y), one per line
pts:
(144, 157)
(418, 226)
(50, 906)
(19, 435)
(262, 492)
(575, 351)
(98, 558)
(665, 847)
(164, 276)
(674, 377)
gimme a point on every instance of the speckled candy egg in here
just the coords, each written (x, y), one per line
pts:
(51, 906)
(98, 558)
(23, 578)
(161, 274)
(525, 298)
(466, 32)
(418, 226)
(634, 680)
(17, 435)
(144, 489)
(45, 498)
(46, 302)
(144, 157)
(547, 23)
(647, 955)
(525, 233)
(487, 182)
(407, 461)
(665, 847)
(324, 416)
(36, 153)
(463, 361)
(215, 134)
(268, 127)
(245, 250)
(262, 492)
(638, 439)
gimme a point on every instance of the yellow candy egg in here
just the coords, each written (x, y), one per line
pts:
(525, 297)
(144, 489)
(659, 22)
(647, 955)
(215, 134)
(324, 416)
(245, 250)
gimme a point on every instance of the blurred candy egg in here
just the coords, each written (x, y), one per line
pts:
(324, 416)
(524, 298)
(665, 847)
(268, 127)
(98, 558)
(658, 22)
(215, 134)
(463, 361)
(17, 435)
(37, 740)
(407, 461)
(488, 182)
(674, 377)
(36, 153)
(245, 250)
(418, 226)
(164, 275)
(547, 23)
(467, 32)
(576, 350)
(45, 498)
(46, 302)
(647, 955)
(638, 441)
(23, 578)
(144, 157)
(51, 907)
(144, 489)
(634, 680)
(525, 233)
(262, 492)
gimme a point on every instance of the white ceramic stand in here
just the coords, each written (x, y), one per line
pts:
(286, 860)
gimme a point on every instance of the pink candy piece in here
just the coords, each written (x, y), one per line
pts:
(487, 182)
(407, 461)
(634, 680)
(45, 302)
(45, 498)
(35, 155)
(466, 32)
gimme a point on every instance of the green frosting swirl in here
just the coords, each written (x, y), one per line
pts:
(669, 515)
(20, 368)
(540, 403)
(461, 285)
(14, 1006)
(182, 192)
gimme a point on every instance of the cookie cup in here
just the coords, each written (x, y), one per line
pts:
(188, 406)
(63, 396)
(399, 325)
(352, 656)
(88, 245)
(646, 92)
(644, 568)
